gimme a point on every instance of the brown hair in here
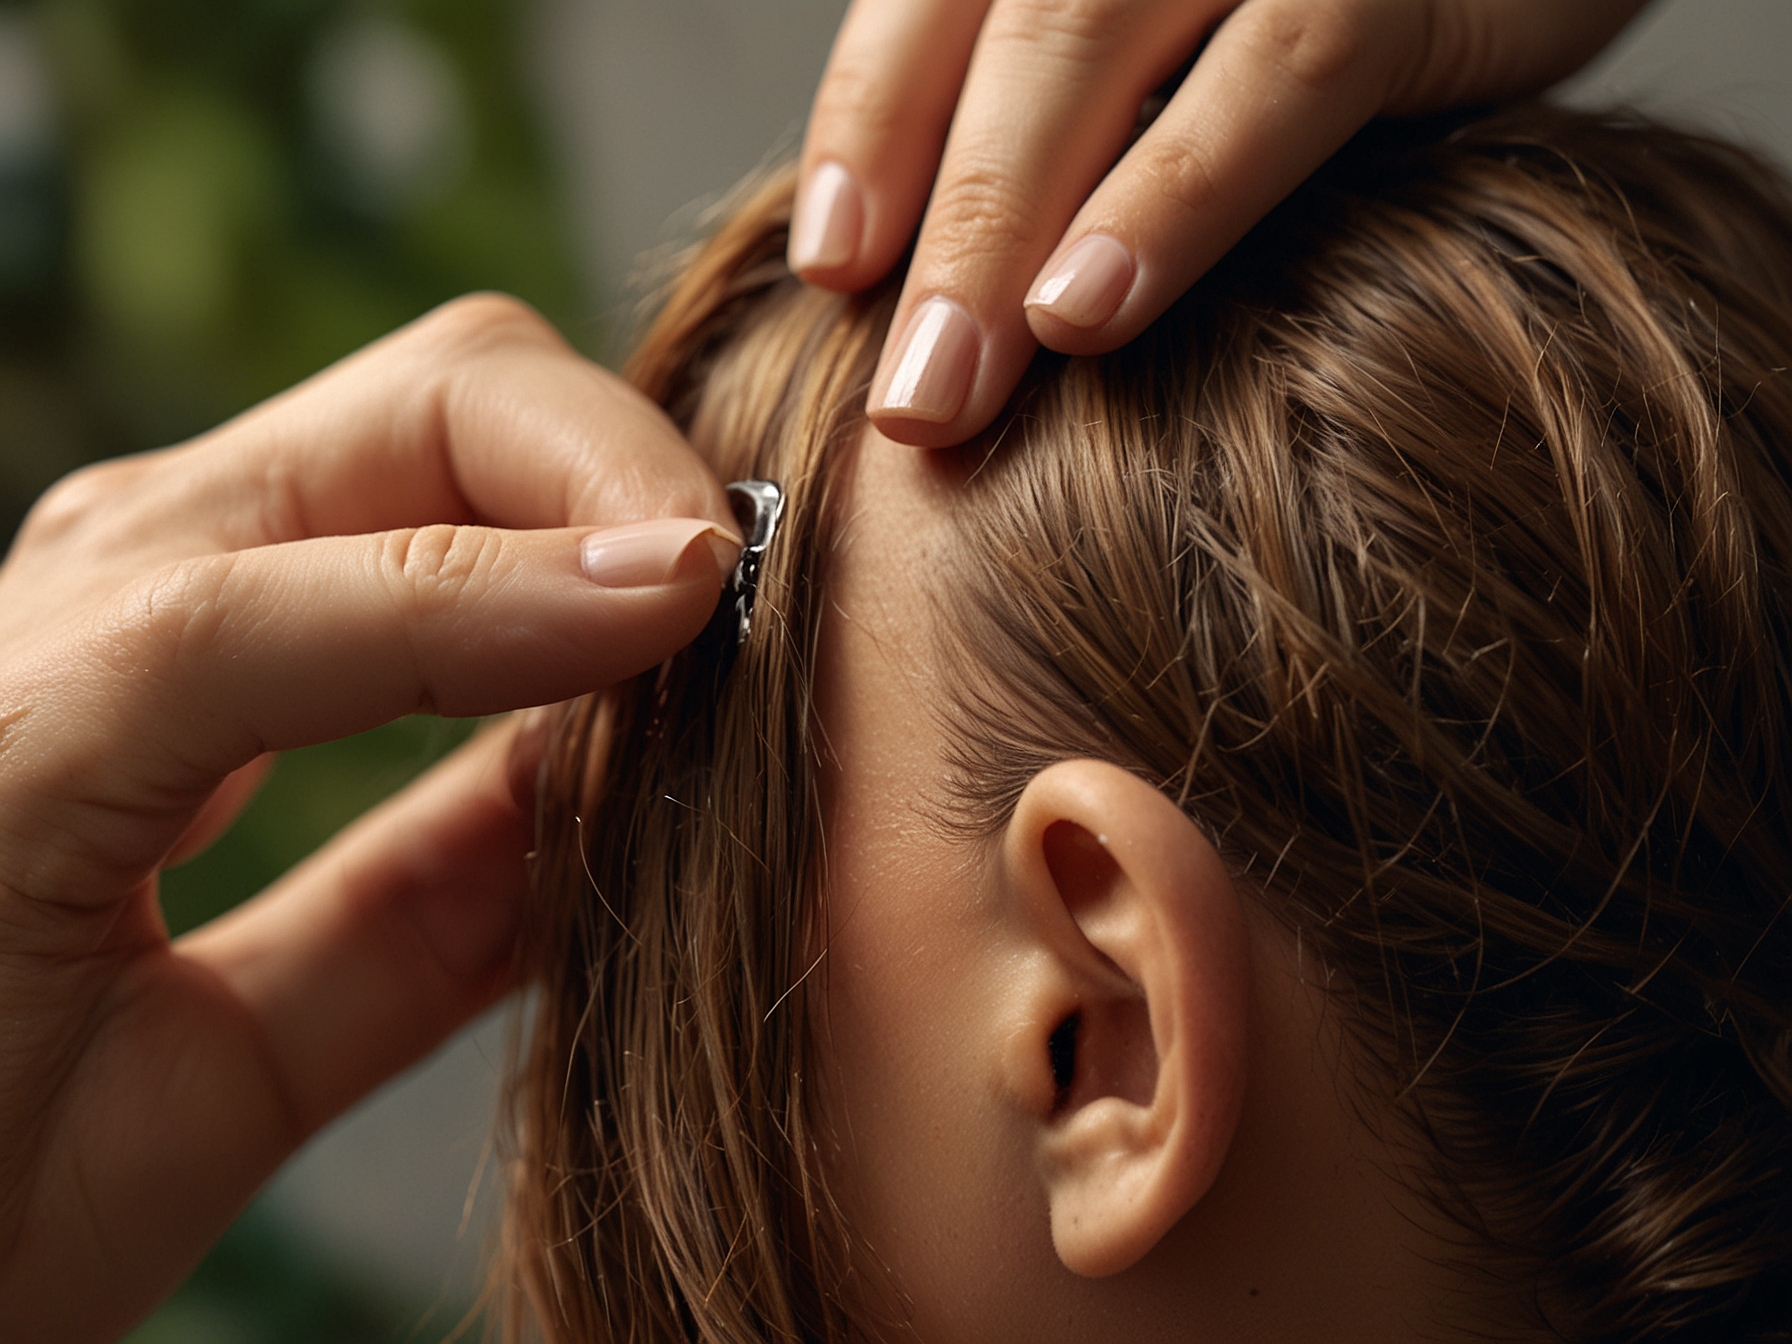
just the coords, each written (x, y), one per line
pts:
(1435, 554)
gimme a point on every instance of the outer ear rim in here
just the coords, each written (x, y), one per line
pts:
(1117, 1175)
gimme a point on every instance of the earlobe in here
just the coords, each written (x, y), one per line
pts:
(1134, 1059)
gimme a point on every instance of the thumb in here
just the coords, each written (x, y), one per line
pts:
(193, 673)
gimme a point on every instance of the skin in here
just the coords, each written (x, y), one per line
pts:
(403, 532)
(1139, 1208)
(1000, 128)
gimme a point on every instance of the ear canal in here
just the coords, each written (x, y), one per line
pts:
(1060, 1051)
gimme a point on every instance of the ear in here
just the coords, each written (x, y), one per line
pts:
(1135, 1007)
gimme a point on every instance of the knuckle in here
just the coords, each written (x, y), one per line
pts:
(165, 623)
(77, 499)
(857, 94)
(475, 323)
(433, 569)
(1180, 174)
(980, 209)
(1452, 54)
(1067, 27)
(1310, 44)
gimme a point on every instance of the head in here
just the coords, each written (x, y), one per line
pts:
(1286, 834)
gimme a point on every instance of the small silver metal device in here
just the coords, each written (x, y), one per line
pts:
(758, 508)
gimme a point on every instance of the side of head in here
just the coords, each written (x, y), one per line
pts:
(1444, 583)
(1403, 620)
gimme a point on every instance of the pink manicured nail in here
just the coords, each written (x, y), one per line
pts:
(1088, 285)
(639, 555)
(829, 220)
(933, 374)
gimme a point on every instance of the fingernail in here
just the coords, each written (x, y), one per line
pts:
(639, 555)
(1086, 288)
(829, 219)
(933, 374)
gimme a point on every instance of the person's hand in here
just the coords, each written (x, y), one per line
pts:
(1033, 232)
(414, 529)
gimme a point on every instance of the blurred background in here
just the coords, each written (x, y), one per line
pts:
(202, 202)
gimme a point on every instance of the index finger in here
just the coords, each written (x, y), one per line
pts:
(1053, 92)
(478, 412)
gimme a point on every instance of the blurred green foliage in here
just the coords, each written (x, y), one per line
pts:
(202, 202)
(263, 1285)
(309, 796)
(229, 194)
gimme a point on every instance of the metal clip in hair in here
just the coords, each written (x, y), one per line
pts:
(758, 507)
